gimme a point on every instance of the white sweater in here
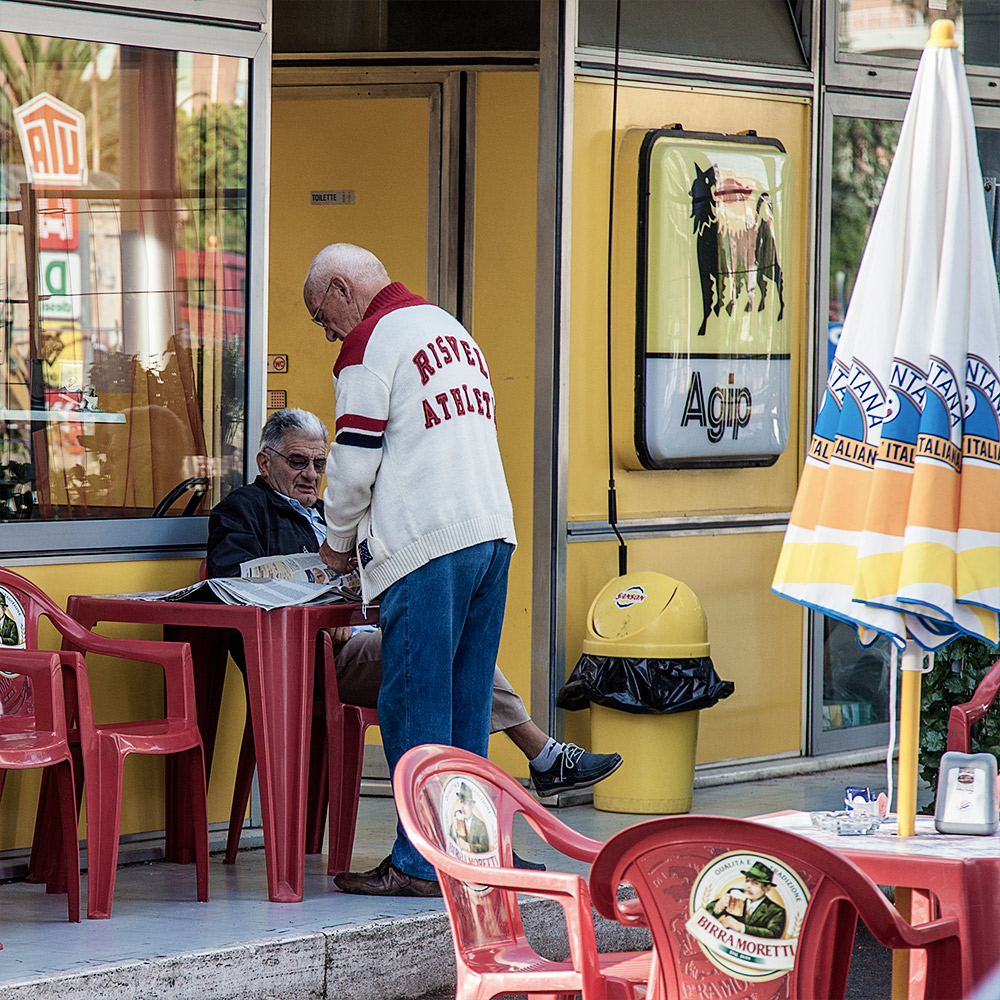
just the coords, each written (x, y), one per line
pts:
(414, 470)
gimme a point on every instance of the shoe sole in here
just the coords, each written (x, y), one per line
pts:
(558, 789)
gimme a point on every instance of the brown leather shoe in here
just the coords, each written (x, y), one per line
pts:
(385, 880)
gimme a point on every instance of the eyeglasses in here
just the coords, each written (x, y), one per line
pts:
(322, 302)
(301, 462)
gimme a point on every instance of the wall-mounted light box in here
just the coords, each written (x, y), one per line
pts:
(713, 364)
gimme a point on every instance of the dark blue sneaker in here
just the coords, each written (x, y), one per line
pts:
(531, 866)
(573, 768)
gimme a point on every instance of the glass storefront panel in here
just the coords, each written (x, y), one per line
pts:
(855, 679)
(123, 272)
(899, 28)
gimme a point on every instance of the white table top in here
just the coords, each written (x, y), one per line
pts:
(926, 842)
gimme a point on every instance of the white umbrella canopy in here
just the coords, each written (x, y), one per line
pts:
(896, 524)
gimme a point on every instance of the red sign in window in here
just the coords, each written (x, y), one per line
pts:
(57, 228)
(53, 141)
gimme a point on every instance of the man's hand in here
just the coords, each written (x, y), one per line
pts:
(340, 635)
(339, 562)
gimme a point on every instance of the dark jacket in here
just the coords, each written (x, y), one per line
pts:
(255, 521)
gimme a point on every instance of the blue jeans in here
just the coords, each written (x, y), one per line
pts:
(440, 635)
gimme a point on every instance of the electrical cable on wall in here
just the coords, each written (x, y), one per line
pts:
(612, 496)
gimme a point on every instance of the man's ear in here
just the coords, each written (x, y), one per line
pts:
(342, 288)
(262, 461)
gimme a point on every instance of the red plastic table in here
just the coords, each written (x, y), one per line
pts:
(951, 876)
(279, 646)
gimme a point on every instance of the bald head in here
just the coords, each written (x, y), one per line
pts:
(340, 285)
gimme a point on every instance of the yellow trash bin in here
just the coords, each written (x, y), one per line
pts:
(646, 615)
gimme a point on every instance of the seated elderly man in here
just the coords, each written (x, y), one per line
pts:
(280, 513)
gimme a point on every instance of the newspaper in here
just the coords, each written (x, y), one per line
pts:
(274, 582)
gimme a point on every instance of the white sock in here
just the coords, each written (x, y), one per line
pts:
(548, 755)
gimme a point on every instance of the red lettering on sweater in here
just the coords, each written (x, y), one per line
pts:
(443, 348)
(430, 417)
(484, 406)
(482, 364)
(424, 366)
(468, 353)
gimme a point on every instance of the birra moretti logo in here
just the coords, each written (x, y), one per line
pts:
(53, 142)
(724, 408)
(630, 596)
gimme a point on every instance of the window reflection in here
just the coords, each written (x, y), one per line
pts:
(123, 244)
(900, 28)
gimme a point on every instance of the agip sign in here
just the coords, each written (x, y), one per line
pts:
(713, 337)
(53, 142)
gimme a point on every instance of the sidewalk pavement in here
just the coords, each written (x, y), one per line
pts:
(160, 943)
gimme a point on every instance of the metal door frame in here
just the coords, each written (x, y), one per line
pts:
(448, 249)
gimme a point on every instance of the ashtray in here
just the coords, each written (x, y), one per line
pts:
(856, 823)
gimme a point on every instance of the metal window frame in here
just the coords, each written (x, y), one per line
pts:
(888, 75)
(35, 542)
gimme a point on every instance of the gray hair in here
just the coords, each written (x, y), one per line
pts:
(361, 266)
(281, 423)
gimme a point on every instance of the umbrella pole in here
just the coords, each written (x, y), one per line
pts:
(909, 740)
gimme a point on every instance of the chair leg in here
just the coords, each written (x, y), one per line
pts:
(241, 793)
(192, 764)
(70, 840)
(346, 758)
(104, 810)
(316, 807)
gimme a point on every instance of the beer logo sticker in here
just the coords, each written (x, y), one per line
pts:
(470, 823)
(11, 621)
(746, 911)
(630, 596)
(15, 689)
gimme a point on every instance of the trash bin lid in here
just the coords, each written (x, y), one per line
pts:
(647, 614)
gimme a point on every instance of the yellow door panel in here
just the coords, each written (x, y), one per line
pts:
(376, 147)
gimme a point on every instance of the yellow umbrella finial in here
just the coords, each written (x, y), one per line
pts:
(942, 35)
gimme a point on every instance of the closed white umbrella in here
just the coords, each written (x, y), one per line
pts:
(896, 525)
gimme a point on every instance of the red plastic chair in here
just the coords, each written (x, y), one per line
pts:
(680, 865)
(962, 717)
(335, 764)
(457, 809)
(105, 746)
(37, 737)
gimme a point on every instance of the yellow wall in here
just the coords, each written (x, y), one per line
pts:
(122, 691)
(503, 323)
(756, 638)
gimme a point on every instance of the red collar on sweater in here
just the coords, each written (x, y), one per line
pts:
(393, 296)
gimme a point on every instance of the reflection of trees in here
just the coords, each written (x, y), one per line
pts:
(212, 160)
(862, 153)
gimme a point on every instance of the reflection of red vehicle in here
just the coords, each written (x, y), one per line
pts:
(211, 288)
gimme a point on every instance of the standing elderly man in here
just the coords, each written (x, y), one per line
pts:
(416, 490)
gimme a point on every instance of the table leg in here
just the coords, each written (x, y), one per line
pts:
(280, 682)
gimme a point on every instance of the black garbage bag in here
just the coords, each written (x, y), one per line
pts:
(643, 686)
